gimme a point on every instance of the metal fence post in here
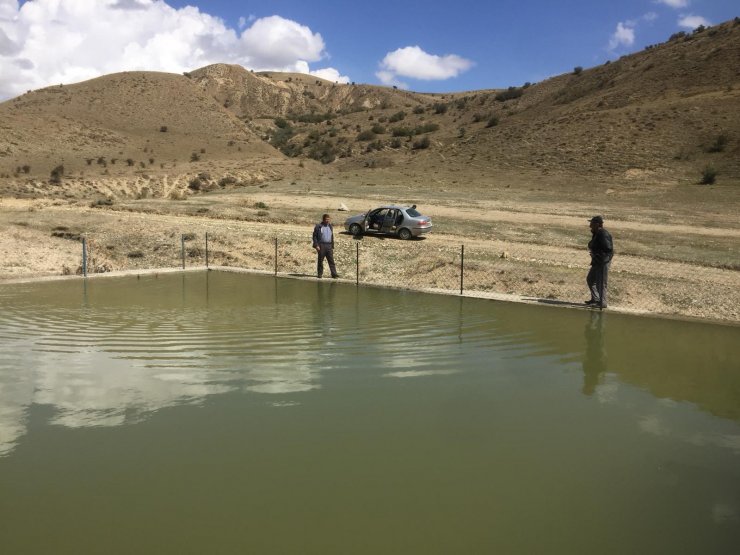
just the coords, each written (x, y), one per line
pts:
(84, 257)
(462, 268)
(276, 256)
(206, 250)
(357, 279)
(182, 249)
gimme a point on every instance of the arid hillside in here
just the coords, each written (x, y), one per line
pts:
(665, 115)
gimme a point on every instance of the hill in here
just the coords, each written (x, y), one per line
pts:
(662, 115)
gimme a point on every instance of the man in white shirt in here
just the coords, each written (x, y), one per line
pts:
(323, 242)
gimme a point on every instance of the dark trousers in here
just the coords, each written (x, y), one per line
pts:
(598, 280)
(326, 251)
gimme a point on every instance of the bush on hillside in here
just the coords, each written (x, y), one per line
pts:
(56, 175)
(492, 121)
(422, 143)
(366, 135)
(509, 94)
(577, 70)
(718, 145)
(398, 116)
(708, 176)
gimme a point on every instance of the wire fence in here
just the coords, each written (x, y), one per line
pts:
(413, 264)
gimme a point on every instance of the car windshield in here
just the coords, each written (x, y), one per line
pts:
(413, 212)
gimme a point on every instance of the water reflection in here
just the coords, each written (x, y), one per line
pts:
(594, 355)
(111, 352)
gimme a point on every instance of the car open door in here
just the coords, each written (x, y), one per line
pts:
(389, 222)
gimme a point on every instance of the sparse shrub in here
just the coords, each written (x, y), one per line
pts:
(89, 161)
(163, 129)
(142, 165)
(227, 180)
(402, 132)
(113, 161)
(366, 135)
(151, 161)
(56, 174)
(261, 205)
(461, 133)
(395, 143)
(378, 129)
(375, 145)
(135, 254)
(718, 145)
(478, 117)
(509, 94)
(281, 123)
(26, 168)
(676, 36)
(419, 110)
(195, 184)
(262, 213)
(700, 29)
(440, 108)
(425, 128)
(323, 151)
(577, 70)
(708, 176)
(129, 162)
(280, 136)
(292, 150)
(202, 150)
(398, 116)
(492, 121)
(194, 157)
(422, 143)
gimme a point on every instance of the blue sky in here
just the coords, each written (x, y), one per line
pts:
(435, 46)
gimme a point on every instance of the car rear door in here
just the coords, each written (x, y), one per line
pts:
(389, 222)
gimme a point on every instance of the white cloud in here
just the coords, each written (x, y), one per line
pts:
(278, 42)
(692, 21)
(331, 74)
(389, 78)
(623, 36)
(48, 42)
(674, 3)
(650, 17)
(413, 62)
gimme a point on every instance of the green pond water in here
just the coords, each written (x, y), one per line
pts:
(226, 413)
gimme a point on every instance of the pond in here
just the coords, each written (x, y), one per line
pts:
(231, 413)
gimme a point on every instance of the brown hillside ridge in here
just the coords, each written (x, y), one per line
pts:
(512, 172)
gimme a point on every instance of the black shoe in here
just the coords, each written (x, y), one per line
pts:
(591, 301)
(335, 276)
(320, 277)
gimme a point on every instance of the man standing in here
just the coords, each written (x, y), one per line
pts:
(602, 251)
(323, 242)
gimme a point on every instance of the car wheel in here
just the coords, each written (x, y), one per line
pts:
(355, 230)
(404, 233)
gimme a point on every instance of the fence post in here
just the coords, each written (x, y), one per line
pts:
(84, 257)
(182, 249)
(462, 268)
(276, 255)
(206, 250)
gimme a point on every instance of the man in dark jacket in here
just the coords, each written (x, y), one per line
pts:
(602, 251)
(323, 243)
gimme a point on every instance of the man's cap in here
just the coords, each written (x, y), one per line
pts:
(596, 220)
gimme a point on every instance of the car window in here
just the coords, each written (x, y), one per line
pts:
(413, 212)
